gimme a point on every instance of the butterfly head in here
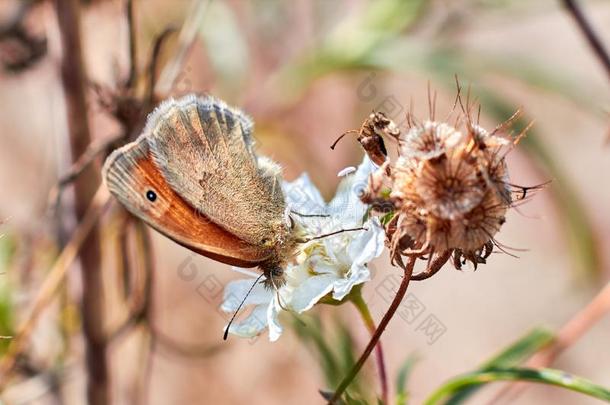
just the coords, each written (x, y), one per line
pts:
(283, 240)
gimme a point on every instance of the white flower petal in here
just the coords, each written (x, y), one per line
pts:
(306, 295)
(275, 329)
(358, 275)
(365, 169)
(302, 196)
(368, 245)
(236, 291)
(245, 271)
(346, 203)
(346, 171)
(322, 267)
(252, 325)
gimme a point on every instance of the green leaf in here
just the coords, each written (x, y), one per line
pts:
(521, 350)
(513, 355)
(387, 218)
(402, 395)
(542, 376)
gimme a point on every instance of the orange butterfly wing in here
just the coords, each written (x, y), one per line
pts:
(133, 178)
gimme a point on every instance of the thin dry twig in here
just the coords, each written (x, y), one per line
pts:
(589, 33)
(187, 36)
(49, 287)
(78, 167)
(153, 66)
(575, 328)
(141, 314)
(74, 82)
(133, 70)
(146, 253)
(138, 297)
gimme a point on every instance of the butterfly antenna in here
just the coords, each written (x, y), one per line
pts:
(335, 233)
(279, 299)
(241, 304)
(310, 215)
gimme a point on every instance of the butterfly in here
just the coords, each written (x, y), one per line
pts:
(193, 175)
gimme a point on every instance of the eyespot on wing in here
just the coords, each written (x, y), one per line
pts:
(133, 178)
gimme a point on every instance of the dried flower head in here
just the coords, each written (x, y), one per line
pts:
(447, 193)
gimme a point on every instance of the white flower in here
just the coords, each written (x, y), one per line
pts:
(260, 297)
(331, 265)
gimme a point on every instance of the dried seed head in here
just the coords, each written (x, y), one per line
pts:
(484, 139)
(429, 140)
(451, 184)
(479, 225)
(449, 190)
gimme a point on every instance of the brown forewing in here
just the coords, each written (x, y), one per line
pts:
(130, 173)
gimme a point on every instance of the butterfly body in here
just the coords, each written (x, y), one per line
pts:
(193, 175)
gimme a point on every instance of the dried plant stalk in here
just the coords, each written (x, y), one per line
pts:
(74, 81)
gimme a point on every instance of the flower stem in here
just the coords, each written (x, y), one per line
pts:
(402, 290)
(363, 309)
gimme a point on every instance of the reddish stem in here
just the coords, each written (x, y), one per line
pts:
(402, 290)
(363, 309)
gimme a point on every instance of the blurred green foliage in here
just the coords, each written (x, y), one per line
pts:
(333, 347)
(7, 251)
(402, 377)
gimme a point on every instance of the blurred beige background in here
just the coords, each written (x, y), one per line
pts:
(482, 311)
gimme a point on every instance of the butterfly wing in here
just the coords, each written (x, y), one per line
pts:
(205, 152)
(134, 179)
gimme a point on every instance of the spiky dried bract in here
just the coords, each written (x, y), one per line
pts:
(448, 192)
(428, 140)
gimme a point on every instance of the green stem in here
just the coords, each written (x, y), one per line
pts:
(365, 313)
